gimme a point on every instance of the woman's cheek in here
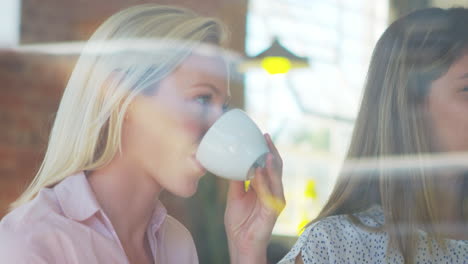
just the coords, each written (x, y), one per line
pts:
(195, 127)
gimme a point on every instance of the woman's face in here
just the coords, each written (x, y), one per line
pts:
(447, 106)
(162, 132)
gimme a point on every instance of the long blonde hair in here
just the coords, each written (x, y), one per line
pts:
(414, 51)
(127, 55)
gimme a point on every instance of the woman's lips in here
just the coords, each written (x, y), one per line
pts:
(198, 164)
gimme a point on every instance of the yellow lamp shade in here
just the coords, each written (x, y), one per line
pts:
(276, 65)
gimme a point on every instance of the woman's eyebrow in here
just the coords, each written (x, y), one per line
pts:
(209, 85)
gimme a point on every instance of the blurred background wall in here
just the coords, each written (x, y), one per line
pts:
(31, 84)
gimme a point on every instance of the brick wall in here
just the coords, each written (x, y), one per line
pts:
(65, 20)
(31, 86)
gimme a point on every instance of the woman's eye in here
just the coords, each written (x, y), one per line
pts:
(203, 99)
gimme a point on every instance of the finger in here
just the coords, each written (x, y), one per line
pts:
(261, 186)
(278, 162)
(272, 146)
(274, 165)
(260, 182)
(236, 190)
(275, 177)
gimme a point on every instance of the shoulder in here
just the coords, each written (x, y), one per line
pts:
(25, 244)
(316, 240)
(27, 231)
(372, 217)
(336, 239)
(35, 212)
(19, 250)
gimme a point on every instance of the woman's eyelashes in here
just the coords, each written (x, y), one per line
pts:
(204, 99)
(207, 103)
(203, 103)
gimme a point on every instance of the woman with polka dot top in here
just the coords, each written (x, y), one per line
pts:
(402, 194)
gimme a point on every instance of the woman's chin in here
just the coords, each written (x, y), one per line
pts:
(189, 190)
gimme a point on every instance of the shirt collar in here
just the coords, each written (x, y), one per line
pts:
(159, 215)
(76, 197)
(79, 203)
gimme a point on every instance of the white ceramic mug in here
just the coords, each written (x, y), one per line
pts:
(233, 147)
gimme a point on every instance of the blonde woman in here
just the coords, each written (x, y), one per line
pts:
(144, 91)
(392, 203)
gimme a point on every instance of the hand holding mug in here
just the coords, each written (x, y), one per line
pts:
(234, 148)
(251, 215)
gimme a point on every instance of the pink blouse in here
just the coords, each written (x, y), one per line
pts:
(65, 224)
